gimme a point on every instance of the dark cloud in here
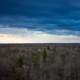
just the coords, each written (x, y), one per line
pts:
(38, 8)
(42, 14)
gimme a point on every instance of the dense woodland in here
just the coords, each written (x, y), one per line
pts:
(40, 62)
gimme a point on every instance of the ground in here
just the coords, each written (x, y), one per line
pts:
(40, 61)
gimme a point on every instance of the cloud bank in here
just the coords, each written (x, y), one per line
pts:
(24, 35)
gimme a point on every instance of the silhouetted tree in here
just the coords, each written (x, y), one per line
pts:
(20, 61)
(44, 55)
(19, 68)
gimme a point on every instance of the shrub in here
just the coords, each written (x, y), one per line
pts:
(19, 61)
(44, 55)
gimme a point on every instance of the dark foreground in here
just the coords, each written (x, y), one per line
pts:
(39, 61)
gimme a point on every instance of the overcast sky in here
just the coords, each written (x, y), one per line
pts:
(39, 21)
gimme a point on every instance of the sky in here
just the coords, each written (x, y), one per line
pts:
(39, 21)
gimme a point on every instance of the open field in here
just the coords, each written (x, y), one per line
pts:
(39, 61)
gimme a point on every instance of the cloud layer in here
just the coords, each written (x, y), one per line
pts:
(30, 21)
(41, 8)
(24, 35)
